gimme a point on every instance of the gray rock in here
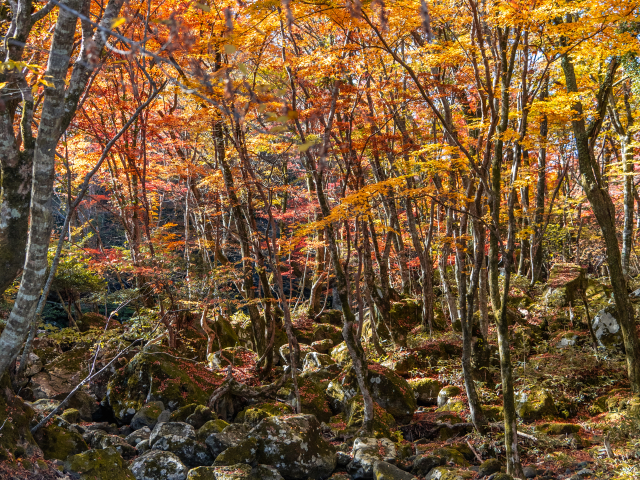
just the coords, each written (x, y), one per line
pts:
(230, 436)
(530, 472)
(423, 464)
(447, 393)
(316, 360)
(295, 446)
(143, 447)
(191, 453)
(386, 471)
(343, 459)
(158, 465)
(177, 429)
(266, 472)
(139, 435)
(147, 416)
(607, 328)
(368, 451)
(34, 365)
(165, 416)
(233, 472)
(101, 441)
(489, 467)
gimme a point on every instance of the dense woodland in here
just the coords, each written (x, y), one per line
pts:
(307, 240)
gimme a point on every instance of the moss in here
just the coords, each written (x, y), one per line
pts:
(452, 455)
(15, 416)
(181, 414)
(327, 332)
(254, 414)
(174, 382)
(452, 405)
(106, 464)
(493, 413)
(314, 399)
(212, 426)
(58, 443)
(71, 415)
(383, 422)
(535, 405)
(558, 428)
(243, 452)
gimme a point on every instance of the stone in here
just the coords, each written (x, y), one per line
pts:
(34, 365)
(266, 472)
(143, 447)
(147, 416)
(105, 464)
(489, 467)
(71, 415)
(327, 332)
(607, 328)
(158, 465)
(252, 416)
(322, 346)
(61, 375)
(233, 472)
(154, 376)
(558, 428)
(530, 471)
(284, 352)
(230, 436)
(444, 473)
(177, 429)
(426, 390)
(447, 393)
(94, 320)
(330, 316)
(212, 426)
(194, 415)
(535, 405)
(295, 446)
(565, 282)
(134, 438)
(242, 452)
(567, 340)
(58, 443)
(423, 464)
(16, 416)
(389, 390)
(340, 354)
(386, 471)
(452, 455)
(368, 451)
(103, 440)
(316, 360)
(354, 418)
(343, 459)
(190, 452)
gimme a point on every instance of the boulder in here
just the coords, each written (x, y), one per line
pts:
(94, 320)
(404, 316)
(558, 428)
(330, 316)
(564, 285)
(295, 446)
(16, 416)
(61, 375)
(190, 452)
(313, 397)
(535, 405)
(284, 352)
(242, 452)
(368, 451)
(158, 465)
(102, 440)
(252, 416)
(212, 426)
(230, 436)
(105, 464)
(489, 467)
(322, 346)
(425, 390)
(147, 416)
(340, 354)
(444, 473)
(452, 455)
(154, 376)
(34, 365)
(423, 464)
(174, 429)
(388, 390)
(71, 415)
(447, 393)
(235, 472)
(194, 415)
(327, 332)
(58, 443)
(386, 471)
(607, 328)
(353, 417)
(569, 339)
(316, 360)
(134, 438)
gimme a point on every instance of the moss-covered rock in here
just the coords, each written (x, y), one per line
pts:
(103, 440)
(61, 375)
(148, 415)
(295, 446)
(333, 317)
(368, 451)
(57, 443)
(243, 452)
(558, 428)
(489, 467)
(212, 426)
(389, 390)
(285, 352)
(71, 415)
(445, 473)
(92, 320)
(232, 472)
(190, 452)
(174, 382)
(230, 436)
(316, 360)
(255, 414)
(535, 405)
(156, 465)
(322, 346)
(105, 464)
(564, 285)
(194, 415)
(447, 393)
(404, 316)
(386, 471)
(134, 438)
(340, 354)
(426, 390)
(16, 416)
(327, 332)
(351, 421)
(171, 429)
(453, 455)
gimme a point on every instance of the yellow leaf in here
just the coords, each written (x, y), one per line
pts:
(117, 22)
(3, 84)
